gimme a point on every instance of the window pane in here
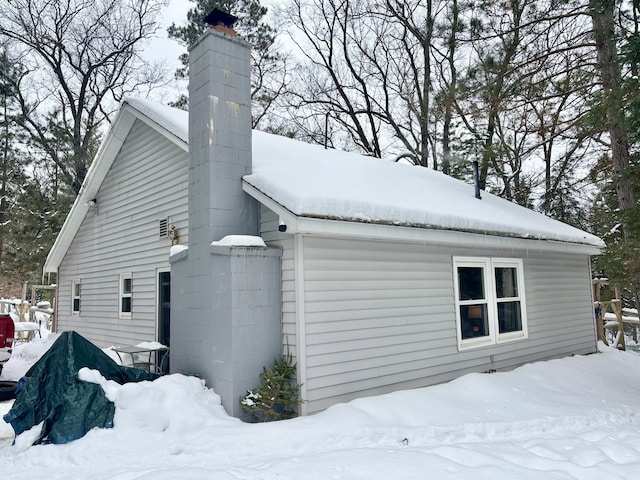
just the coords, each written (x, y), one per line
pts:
(473, 321)
(76, 289)
(126, 304)
(76, 304)
(509, 318)
(126, 285)
(506, 282)
(471, 283)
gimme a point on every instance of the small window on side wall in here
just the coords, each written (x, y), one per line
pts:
(489, 297)
(75, 297)
(126, 295)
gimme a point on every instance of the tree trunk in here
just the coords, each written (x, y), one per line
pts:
(451, 91)
(602, 17)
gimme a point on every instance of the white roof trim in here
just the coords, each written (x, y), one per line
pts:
(318, 226)
(96, 174)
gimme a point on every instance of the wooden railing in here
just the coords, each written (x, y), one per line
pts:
(604, 323)
(612, 317)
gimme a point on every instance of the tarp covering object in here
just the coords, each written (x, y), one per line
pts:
(51, 392)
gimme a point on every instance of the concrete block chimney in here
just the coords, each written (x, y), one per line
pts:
(225, 302)
(219, 135)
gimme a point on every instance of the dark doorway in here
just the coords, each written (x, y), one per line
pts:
(164, 317)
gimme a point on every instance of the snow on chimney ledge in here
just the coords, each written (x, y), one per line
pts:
(221, 21)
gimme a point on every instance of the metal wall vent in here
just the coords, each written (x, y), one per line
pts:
(164, 228)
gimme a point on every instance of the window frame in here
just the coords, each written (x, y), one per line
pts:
(122, 295)
(489, 266)
(76, 293)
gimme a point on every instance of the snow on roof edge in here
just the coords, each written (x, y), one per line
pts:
(495, 233)
(172, 120)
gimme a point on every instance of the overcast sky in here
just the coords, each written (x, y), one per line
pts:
(162, 48)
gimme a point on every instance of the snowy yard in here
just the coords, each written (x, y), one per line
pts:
(574, 418)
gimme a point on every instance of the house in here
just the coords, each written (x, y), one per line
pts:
(375, 276)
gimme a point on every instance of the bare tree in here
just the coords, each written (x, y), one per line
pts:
(523, 94)
(331, 89)
(82, 57)
(511, 84)
(368, 69)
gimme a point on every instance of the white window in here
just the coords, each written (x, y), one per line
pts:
(126, 290)
(490, 303)
(75, 297)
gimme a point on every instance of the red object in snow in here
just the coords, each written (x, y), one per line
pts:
(7, 335)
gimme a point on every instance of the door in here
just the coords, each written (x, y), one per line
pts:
(164, 315)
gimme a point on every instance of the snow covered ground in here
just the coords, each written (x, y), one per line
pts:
(574, 418)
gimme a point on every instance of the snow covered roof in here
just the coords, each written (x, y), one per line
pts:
(171, 120)
(310, 181)
(307, 181)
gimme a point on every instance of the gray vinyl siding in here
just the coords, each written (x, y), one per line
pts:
(269, 222)
(147, 182)
(381, 317)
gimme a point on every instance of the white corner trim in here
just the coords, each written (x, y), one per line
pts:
(301, 330)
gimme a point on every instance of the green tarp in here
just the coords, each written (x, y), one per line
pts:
(51, 392)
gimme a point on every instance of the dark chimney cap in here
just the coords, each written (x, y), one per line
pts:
(220, 17)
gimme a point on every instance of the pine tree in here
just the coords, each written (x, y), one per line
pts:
(620, 113)
(12, 161)
(268, 68)
(278, 396)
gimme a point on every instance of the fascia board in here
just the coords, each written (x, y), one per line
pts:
(337, 228)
